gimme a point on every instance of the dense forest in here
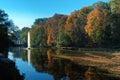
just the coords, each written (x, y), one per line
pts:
(91, 26)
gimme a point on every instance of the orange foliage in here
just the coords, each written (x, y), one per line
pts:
(75, 25)
(49, 32)
(96, 19)
(53, 25)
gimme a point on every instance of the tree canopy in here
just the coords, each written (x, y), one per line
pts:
(91, 26)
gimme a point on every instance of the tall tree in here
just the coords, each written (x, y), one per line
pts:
(115, 22)
(75, 26)
(98, 23)
(4, 25)
(63, 39)
(53, 25)
(38, 36)
(23, 35)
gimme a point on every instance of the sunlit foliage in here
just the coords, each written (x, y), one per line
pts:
(75, 25)
(96, 26)
(53, 25)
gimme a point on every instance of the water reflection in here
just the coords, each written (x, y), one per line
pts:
(28, 53)
(43, 62)
(8, 70)
(91, 74)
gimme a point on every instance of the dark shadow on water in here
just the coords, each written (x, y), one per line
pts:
(8, 70)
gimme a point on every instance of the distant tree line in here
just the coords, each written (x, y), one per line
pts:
(91, 26)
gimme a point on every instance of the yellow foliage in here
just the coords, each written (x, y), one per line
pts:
(96, 19)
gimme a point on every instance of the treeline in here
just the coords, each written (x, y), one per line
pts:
(91, 26)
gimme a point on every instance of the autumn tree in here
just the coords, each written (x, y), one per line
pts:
(75, 26)
(98, 24)
(53, 25)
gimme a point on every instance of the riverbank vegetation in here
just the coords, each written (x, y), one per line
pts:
(91, 26)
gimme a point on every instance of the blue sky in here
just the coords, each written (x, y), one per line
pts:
(24, 12)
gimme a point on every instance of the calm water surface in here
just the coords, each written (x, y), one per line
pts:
(40, 64)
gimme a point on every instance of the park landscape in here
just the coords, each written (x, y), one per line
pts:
(83, 45)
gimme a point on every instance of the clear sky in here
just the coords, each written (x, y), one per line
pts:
(24, 12)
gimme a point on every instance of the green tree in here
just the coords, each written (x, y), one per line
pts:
(4, 25)
(23, 35)
(115, 6)
(115, 22)
(13, 32)
(38, 36)
(40, 21)
(63, 39)
(103, 6)
(115, 29)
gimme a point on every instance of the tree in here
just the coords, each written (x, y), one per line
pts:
(75, 26)
(115, 22)
(103, 6)
(53, 25)
(13, 32)
(98, 23)
(4, 25)
(63, 39)
(40, 21)
(115, 29)
(12, 27)
(23, 35)
(7, 30)
(115, 6)
(38, 36)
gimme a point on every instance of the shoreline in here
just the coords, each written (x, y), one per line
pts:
(112, 64)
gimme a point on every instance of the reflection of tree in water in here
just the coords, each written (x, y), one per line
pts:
(74, 71)
(59, 68)
(91, 74)
(44, 61)
(55, 66)
(19, 53)
(8, 70)
(38, 59)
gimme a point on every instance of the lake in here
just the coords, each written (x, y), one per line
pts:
(45, 64)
